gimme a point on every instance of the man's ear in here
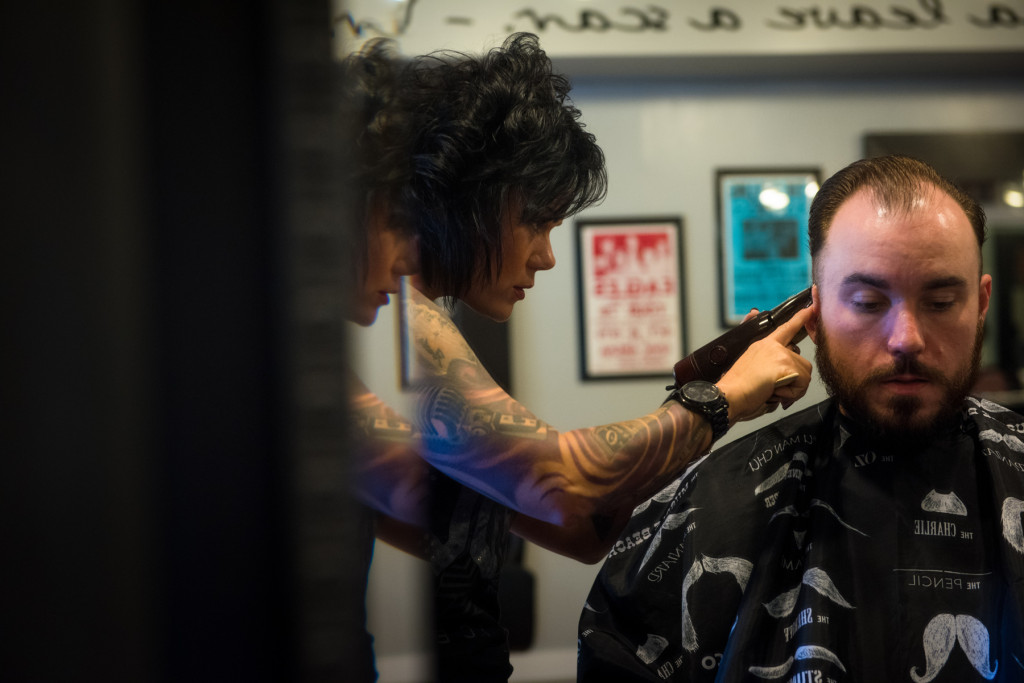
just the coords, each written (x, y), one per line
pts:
(812, 321)
(984, 296)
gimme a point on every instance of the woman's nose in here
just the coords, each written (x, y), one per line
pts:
(543, 255)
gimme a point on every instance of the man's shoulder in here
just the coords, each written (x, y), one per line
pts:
(763, 451)
(808, 421)
(996, 413)
(997, 426)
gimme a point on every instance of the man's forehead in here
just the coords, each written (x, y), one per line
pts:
(903, 264)
(929, 225)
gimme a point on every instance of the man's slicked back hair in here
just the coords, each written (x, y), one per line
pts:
(895, 182)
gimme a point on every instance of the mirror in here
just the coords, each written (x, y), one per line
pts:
(990, 167)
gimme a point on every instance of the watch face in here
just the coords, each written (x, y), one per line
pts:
(700, 391)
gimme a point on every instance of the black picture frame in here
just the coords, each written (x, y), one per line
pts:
(631, 289)
(763, 254)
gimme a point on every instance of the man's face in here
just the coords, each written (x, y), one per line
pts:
(899, 312)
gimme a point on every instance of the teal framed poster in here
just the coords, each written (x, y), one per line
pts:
(764, 257)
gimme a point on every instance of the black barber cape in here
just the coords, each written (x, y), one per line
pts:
(804, 553)
(469, 536)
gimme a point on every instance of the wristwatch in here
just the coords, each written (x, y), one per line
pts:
(707, 400)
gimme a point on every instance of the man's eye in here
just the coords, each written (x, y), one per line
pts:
(866, 305)
(942, 304)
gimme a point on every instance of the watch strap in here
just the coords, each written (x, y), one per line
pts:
(715, 412)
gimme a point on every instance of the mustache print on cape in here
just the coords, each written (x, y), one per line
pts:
(944, 503)
(942, 633)
(803, 652)
(818, 579)
(1013, 529)
(673, 521)
(663, 496)
(652, 649)
(791, 511)
(737, 566)
(1013, 442)
(783, 473)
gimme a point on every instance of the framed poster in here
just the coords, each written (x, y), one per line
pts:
(762, 237)
(631, 297)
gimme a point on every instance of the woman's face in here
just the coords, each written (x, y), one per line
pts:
(526, 248)
(390, 255)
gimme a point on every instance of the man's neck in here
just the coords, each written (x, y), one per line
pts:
(888, 438)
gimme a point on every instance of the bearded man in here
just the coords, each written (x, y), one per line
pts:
(874, 537)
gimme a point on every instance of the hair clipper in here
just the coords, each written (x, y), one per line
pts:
(710, 361)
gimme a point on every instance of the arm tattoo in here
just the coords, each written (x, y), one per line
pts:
(389, 474)
(481, 436)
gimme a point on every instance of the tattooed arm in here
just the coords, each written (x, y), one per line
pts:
(585, 539)
(389, 475)
(578, 486)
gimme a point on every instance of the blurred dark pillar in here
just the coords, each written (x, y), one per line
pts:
(147, 431)
(214, 208)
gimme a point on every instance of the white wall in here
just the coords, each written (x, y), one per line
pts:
(663, 142)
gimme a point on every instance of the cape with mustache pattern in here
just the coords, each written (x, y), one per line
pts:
(805, 552)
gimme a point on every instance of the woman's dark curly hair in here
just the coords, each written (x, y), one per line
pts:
(491, 134)
(375, 136)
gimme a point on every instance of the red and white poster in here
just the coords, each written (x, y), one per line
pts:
(631, 297)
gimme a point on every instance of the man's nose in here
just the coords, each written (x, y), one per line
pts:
(905, 336)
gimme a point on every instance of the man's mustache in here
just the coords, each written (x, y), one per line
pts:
(906, 365)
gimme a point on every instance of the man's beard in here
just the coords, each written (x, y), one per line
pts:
(902, 418)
